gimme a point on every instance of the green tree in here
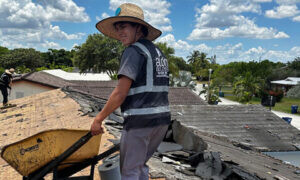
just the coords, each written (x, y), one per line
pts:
(29, 58)
(59, 57)
(3, 50)
(295, 64)
(169, 54)
(246, 86)
(181, 63)
(193, 57)
(200, 64)
(99, 54)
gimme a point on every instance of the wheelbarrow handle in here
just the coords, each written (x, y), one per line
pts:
(49, 167)
(69, 171)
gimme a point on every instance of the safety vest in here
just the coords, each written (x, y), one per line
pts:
(152, 96)
(5, 79)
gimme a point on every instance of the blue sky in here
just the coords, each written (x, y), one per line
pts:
(233, 30)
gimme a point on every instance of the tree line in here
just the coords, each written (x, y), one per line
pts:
(26, 60)
(102, 54)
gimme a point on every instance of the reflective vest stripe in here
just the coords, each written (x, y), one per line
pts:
(149, 87)
(143, 89)
(149, 77)
(143, 111)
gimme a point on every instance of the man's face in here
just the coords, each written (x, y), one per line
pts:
(126, 33)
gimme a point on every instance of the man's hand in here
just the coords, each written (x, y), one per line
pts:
(96, 128)
(116, 98)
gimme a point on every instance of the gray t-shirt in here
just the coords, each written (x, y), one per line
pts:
(131, 63)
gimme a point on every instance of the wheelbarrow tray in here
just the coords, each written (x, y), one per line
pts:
(32, 153)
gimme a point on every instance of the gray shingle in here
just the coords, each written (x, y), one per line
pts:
(252, 124)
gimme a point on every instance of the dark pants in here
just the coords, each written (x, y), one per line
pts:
(4, 94)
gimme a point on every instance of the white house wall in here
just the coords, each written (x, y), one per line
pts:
(25, 88)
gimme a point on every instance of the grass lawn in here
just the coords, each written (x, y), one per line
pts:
(283, 106)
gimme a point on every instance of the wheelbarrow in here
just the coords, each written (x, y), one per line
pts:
(62, 152)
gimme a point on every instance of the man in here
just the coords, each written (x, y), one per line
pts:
(5, 82)
(142, 90)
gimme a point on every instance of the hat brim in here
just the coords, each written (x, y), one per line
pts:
(106, 27)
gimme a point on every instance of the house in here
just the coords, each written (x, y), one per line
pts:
(236, 132)
(287, 83)
(72, 76)
(97, 85)
(37, 82)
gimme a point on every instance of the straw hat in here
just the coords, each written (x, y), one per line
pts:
(126, 12)
(10, 71)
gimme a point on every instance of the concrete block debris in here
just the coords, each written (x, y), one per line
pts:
(211, 166)
(184, 136)
(168, 146)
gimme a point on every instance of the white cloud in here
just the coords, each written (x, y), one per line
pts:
(297, 18)
(223, 19)
(48, 45)
(245, 29)
(56, 33)
(287, 1)
(155, 12)
(258, 50)
(230, 52)
(182, 48)
(286, 9)
(104, 15)
(23, 23)
(64, 10)
(283, 11)
(262, 1)
(74, 45)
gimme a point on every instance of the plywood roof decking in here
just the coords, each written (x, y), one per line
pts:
(33, 114)
(249, 124)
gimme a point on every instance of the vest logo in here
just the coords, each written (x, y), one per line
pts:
(161, 65)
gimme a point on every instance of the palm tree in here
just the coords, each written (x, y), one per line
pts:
(245, 87)
(169, 53)
(193, 58)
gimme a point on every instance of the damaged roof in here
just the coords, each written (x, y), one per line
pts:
(177, 95)
(33, 114)
(252, 126)
(67, 109)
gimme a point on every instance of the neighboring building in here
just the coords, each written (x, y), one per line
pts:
(71, 76)
(38, 82)
(287, 83)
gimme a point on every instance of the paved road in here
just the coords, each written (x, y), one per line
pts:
(295, 118)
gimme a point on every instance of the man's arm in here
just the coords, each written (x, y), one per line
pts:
(116, 98)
